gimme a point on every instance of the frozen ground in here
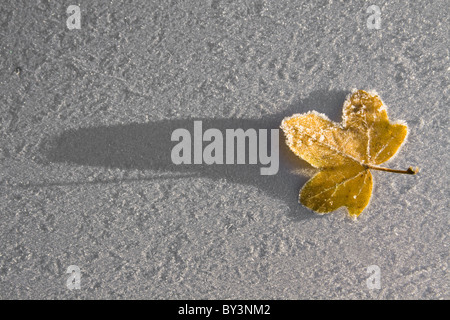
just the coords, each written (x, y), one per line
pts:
(85, 131)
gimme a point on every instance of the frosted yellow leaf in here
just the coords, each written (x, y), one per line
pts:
(344, 152)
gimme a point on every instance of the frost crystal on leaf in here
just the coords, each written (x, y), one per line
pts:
(344, 152)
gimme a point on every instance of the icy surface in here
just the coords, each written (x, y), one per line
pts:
(139, 227)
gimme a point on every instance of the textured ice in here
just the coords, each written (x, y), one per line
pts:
(139, 228)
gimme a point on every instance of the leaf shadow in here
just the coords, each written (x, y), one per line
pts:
(148, 146)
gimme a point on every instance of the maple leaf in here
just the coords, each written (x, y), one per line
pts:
(344, 152)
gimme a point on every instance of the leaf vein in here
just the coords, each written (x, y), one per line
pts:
(337, 185)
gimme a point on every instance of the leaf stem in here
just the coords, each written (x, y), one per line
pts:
(410, 170)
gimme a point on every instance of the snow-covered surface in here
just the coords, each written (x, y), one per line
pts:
(85, 131)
